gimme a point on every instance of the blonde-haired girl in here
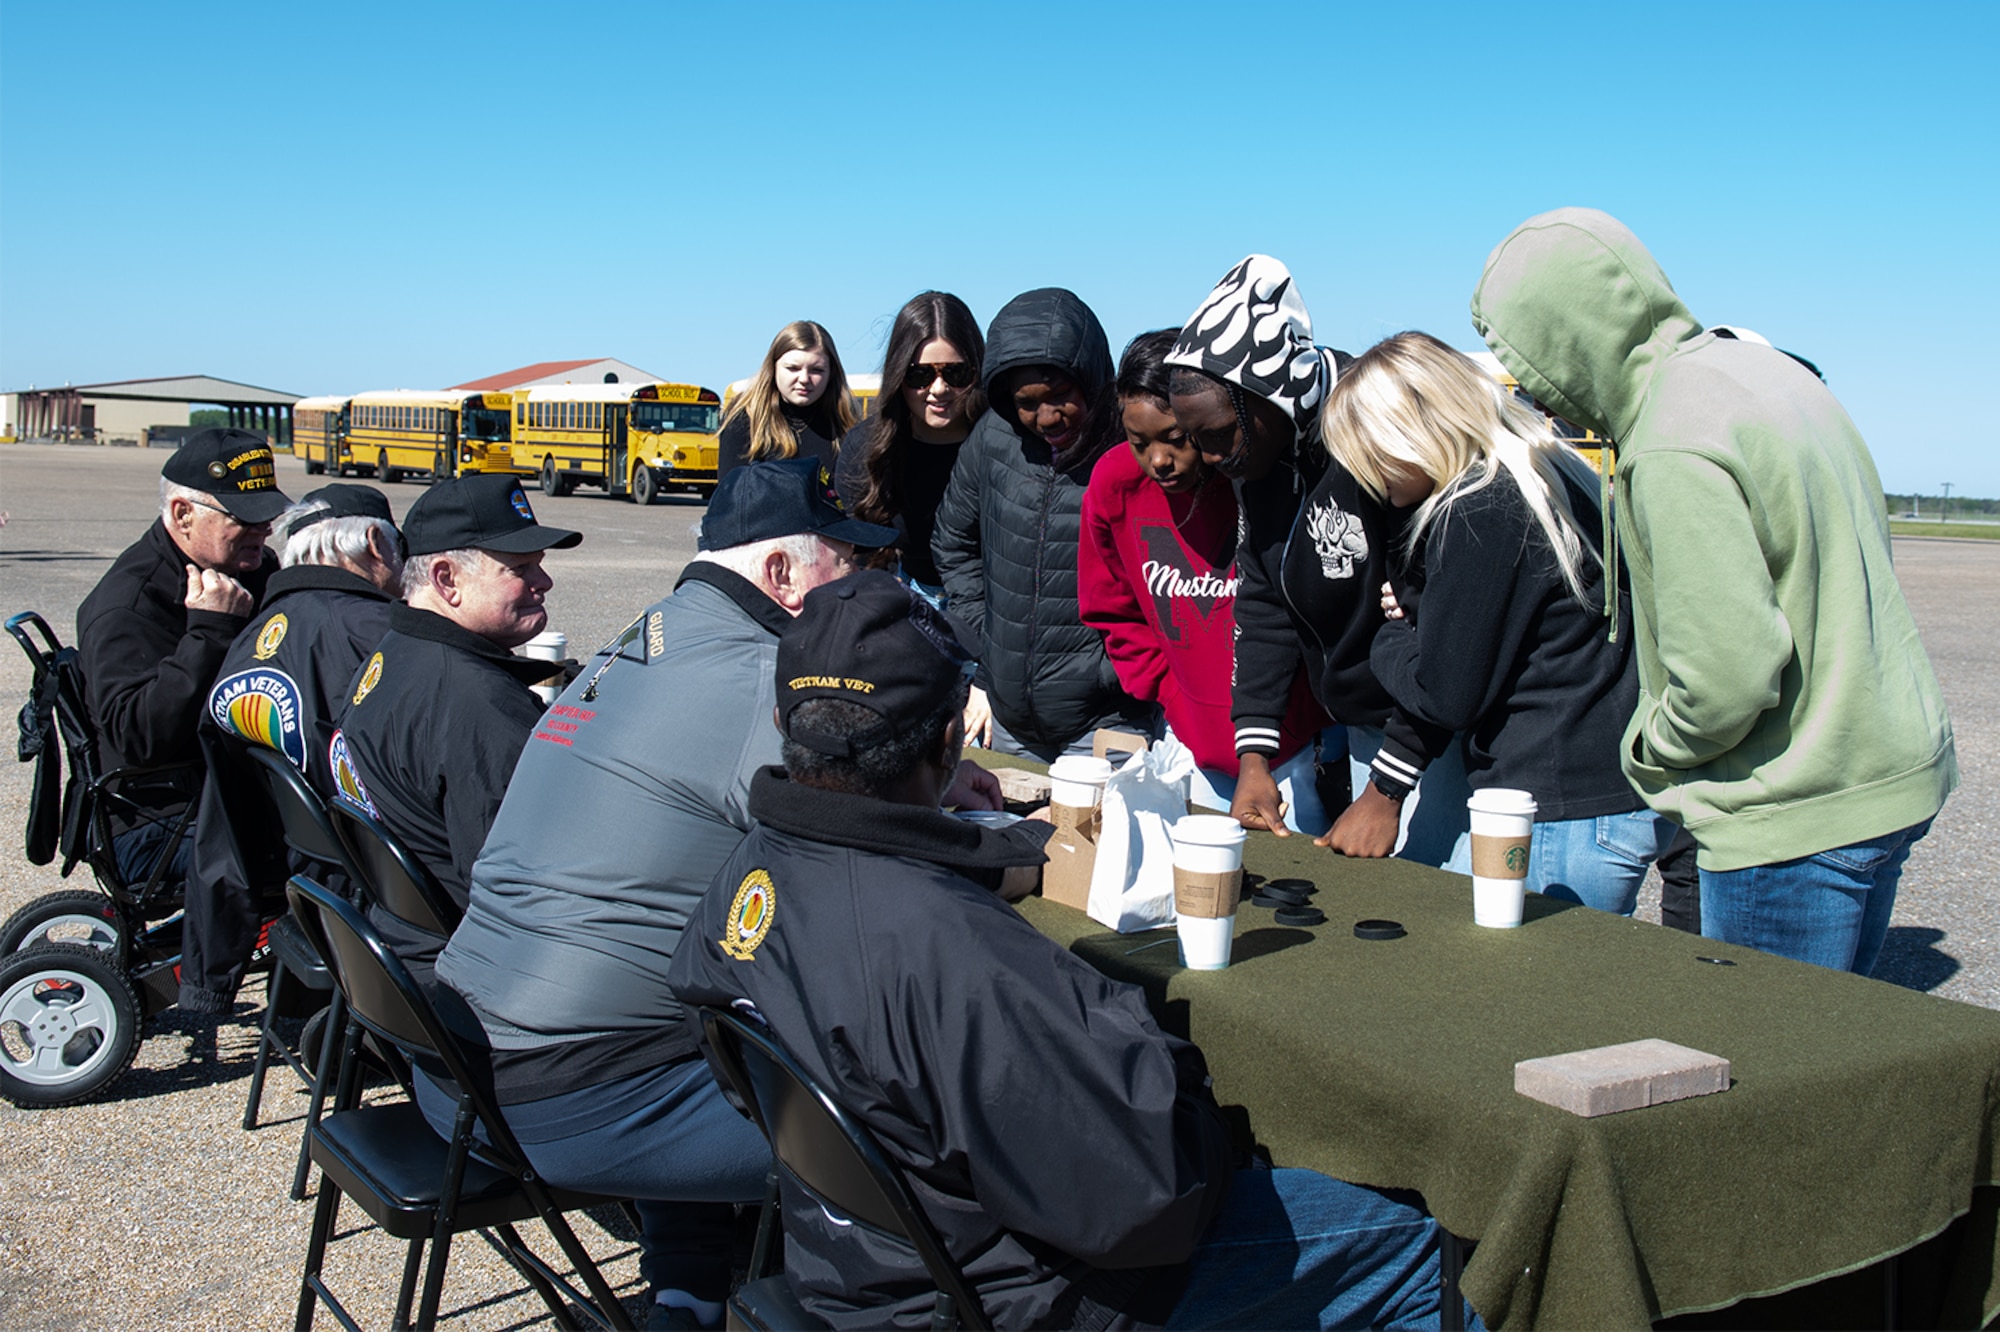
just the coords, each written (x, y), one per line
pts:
(1498, 624)
(796, 407)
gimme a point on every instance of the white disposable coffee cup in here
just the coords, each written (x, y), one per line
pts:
(1503, 830)
(548, 645)
(1077, 780)
(1208, 883)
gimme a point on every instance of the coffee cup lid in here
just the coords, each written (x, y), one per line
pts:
(1080, 768)
(1207, 830)
(1501, 800)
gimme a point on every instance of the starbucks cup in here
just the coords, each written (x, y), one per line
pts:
(1208, 881)
(1503, 829)
(549, 645)
(1077, 781)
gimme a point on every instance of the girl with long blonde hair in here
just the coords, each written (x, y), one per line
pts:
(1498, 625)
(797, 406)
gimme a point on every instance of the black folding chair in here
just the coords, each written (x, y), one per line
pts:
(395, 879)
(836, 1160)
(416, 1185)
(309, 833)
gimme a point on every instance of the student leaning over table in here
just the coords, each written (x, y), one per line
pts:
(1156, 575)
(1497, 624)
(1069, 1153)
(1248, 384)
(1008, 528)
(1788, 716)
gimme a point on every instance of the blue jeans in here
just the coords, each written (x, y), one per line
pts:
(1434, 815)
(1830, 909)
(1599, 862)
(1296, 1249)
(1305, 812)
(665, 1137)
(138, 849)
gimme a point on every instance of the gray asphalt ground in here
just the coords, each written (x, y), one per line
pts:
(152, 1207)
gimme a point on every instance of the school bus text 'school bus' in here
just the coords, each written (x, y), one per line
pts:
(439, 434)
(631, 439)
(319, 434)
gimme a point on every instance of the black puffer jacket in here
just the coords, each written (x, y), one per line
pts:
(1007, 536)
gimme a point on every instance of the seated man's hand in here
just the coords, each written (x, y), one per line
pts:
(973, 788)
(208, 590)
(1019, 881)
(1368, 829)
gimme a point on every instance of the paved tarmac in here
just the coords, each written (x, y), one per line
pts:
(151, 1207)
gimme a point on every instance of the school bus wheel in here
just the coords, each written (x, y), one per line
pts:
(645, 486)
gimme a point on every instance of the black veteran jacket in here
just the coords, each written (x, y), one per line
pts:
(1068, 1152)
(282, 684)
(435, 721)
(147, 659)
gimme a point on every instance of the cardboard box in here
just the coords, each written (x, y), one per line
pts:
(1073, 850)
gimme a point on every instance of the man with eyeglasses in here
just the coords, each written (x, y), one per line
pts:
(153, 632)
(629, 796)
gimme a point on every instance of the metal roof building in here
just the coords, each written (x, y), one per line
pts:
(91, 411)
(595, 371)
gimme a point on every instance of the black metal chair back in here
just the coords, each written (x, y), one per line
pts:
(832, 1154)
(301, 813)
(396, 880)
(385, 1000)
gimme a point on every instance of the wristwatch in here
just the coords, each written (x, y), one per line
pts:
(1391, 790)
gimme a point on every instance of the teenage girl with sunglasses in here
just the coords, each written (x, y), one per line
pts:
(894, 466)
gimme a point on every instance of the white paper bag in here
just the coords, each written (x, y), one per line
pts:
(1132, 884)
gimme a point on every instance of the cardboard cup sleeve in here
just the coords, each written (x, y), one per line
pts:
(1207, 895)
(1500, 857)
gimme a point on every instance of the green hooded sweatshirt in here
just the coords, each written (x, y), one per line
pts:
(1786, 705)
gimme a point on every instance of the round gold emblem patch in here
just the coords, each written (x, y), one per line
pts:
(272, 635)
(750, 916)
(370, 677)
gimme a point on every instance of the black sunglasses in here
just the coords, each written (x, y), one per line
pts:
(958, 374)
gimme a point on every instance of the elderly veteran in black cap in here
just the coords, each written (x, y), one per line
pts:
(283, 683)
(439, 711)
(1068, 1152)
(629, 796)
(153, 631)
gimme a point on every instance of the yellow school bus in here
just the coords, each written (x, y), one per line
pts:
(319, 434)
(1596, 449)
(440, 434)
(631, 439)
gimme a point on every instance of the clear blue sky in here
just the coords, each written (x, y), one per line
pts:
(330, 198)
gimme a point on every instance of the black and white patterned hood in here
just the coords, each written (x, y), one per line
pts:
(1253, 331)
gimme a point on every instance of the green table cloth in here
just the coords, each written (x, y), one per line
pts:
(1859, 1119)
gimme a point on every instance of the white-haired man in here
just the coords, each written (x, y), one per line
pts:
(153, 631)
(632, 793)
(282, 685)
(438, 713)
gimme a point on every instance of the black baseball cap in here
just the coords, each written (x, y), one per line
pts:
(482, 512)
(784, 497)
(234, 467)
(868, 639)
(345, 500)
